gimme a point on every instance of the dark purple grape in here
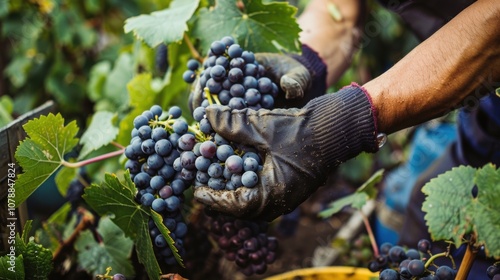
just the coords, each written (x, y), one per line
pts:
(119, 276)
(416, 267)
(389, 274)
(424, 245)
(445, 273)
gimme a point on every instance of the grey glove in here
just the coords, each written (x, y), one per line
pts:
(299, 148)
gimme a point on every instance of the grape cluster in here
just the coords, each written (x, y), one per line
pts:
(231, 76)
(159, 156)
(396, 263)
(245, 242)
(221, 166)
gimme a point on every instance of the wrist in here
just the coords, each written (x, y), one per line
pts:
(310, 59)
(343, 124)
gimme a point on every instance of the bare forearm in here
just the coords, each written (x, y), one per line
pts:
(333, 38)
(439, 73)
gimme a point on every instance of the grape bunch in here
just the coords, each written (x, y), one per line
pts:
(159, 157)
(231, 76)
(396, 262)
(245, 242)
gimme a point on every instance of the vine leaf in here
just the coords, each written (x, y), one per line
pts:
(116, 198)
(100, 132)
(12, 269)
(254, 23)
(164, 26)
(141, 97)
(448, 204)
(42, 152)
(158, 220)
(357, 199)
(486, 209)
(114, 250)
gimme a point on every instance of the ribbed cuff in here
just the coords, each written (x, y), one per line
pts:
(343, 124)
(311, 60)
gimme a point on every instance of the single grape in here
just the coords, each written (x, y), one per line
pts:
(189, 76)
(218, 47)
(148, 146)
(144, 132)
(186, 142)
(216, 183)
(140, 121)
(234, 51)
(208, 149)
(397, 254)
(424, 245)
(227, 40)
(160, 241)
(157, 182)
(163, 147)
(155, 161)
(237, 90)
(148, 115)
(234, 163)
(159, 133)
(248, 56)
(218, 72)
(156, 110)
(158, 205)
(416, 267)
(119, 276)
(141, 180)
(199, 113)
(267, 101)
(493, 270)
(235, 75)
(445, 273)
(389, 274)
(413, 254)
(193, 64)
(180, 127)
(165, 192)
(249, 179)
(172, 203)
(147, 199)
(264, 85)
(178, 186)
(224, 152)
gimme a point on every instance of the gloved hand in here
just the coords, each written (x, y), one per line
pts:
(300, 78)
(299, 148)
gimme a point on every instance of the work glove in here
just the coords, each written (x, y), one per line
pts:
(301, 77)
(299, 148)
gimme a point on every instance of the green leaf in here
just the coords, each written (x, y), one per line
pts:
(165, 26)
(368, 187)
(98, 75)
(4, 8)
(63, 179)
(114, 250)
(357, 199)
(258, 27)
(37, 261)
(115, 88)
(117, 198)
(12, 268)
(487, 209)
(448, 204)
(6, 109)
(41, 154)
(100, 132)
(26, 231)
(158, 220)
(141, 97)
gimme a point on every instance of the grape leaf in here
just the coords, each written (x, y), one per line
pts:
(117, 198)
(158, 220)
(97, 79)
(115, 86)
(141, 97)
(357, 199)
(12, 269)
(63, 179)
(100, 132)
(164, 26)
(114, 250)
(486, 209)
(448, 204)
(257, 27)
(41, 154)
(37, 261)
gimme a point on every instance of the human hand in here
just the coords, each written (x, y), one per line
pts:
(301, 77)
(299, 148)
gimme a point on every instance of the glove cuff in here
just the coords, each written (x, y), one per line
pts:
(344, 124)
(312, 62)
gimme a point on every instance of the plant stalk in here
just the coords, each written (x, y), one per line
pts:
(370, 234)
(467, 262)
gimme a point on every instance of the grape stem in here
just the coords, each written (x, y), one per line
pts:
(370, 234)
(192, 49)
(86, 221)
(433, 257)
(79, 164)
